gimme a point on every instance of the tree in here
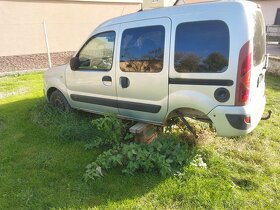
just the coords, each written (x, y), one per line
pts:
(215, 62)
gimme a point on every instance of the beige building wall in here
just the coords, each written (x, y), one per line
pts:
(269, 8)
(68, 23)
(180, 2)
(152, 4)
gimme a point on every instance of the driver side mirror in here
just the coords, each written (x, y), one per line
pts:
(75, 63)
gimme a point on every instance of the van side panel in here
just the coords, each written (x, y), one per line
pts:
(201, 95)
(142, 69)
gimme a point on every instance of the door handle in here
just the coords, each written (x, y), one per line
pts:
(107, 80)
(124, 82)
(260, 79)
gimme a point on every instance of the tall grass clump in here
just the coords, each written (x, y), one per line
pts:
(66, 125)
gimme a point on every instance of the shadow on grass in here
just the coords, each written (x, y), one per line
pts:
(40, 169)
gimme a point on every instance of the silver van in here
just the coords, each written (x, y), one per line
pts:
(205, 61)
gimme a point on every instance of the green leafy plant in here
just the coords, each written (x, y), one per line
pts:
(163, 156)
(110, 131)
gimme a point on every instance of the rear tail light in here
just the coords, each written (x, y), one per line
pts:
(247, 119)
(243, 75)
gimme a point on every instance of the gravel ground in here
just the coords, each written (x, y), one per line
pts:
(36, 61)
(273, 49)
(274, 65)
(9, 64)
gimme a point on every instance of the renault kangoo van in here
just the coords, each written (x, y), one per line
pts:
(206, 61)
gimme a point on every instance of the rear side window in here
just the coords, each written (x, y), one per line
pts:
(259, 39)
(201, 46)
(142, 49)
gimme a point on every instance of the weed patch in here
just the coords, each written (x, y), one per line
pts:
(164, 156)
(65, 125)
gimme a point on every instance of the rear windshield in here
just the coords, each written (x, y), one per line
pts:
(259, 39)
(202, 46)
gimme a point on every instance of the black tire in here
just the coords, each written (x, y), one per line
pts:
(58, 101)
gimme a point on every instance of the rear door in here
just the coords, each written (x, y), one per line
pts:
(142, 69)
(257, 88)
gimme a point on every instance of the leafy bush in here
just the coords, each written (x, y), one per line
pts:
(112, 131)
(164, 156)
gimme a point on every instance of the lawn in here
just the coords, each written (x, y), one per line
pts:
(42, 165)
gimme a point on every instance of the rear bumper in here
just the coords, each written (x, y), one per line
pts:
(229, 120)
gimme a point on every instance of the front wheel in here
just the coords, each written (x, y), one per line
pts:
(58, 101)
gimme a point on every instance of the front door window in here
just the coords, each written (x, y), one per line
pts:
(97, 54)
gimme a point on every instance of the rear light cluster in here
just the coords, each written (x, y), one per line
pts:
(243, 75)
(247, 119)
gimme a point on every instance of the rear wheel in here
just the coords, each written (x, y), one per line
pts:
(58, 101)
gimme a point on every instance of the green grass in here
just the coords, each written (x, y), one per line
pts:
(43, 159)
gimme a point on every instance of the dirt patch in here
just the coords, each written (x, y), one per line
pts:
(16, 92)
(35, 61)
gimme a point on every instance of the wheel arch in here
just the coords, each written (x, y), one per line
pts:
(50, 91)
(188, 112)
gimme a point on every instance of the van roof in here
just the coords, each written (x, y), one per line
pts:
(177, 10)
